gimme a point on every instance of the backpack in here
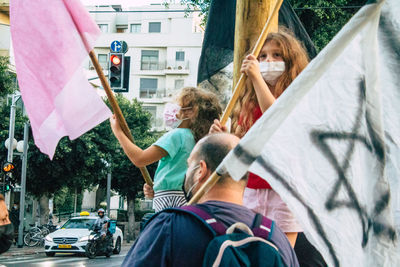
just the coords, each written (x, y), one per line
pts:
(238, 245)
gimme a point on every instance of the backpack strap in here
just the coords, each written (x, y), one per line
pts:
(262, 226)
(211, 223)
(217, 226)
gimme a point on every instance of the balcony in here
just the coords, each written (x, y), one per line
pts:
(177, 67)
(165, 67)
(146, 65)
(152, 93)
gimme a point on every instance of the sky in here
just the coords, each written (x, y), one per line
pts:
(124, 3)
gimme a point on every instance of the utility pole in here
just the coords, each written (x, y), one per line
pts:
(11, 129)
(108, 192)
(23, 186)
(75, 200)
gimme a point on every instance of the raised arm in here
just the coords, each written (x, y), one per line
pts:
(138, 156)
(251, 68)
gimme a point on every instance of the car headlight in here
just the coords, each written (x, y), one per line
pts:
(48, 238)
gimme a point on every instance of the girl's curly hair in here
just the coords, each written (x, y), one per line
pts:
(205, 106)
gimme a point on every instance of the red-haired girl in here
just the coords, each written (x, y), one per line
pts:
(281, 59)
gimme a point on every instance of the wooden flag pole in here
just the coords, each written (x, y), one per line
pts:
(256, 50)
(213, 179)
(117, 110)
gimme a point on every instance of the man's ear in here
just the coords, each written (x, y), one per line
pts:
(203, 172)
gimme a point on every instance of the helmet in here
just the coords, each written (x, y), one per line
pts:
(100, 212)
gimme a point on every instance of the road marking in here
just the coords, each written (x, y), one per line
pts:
(47, 261)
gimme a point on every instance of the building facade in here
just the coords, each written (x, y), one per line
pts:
(164, 46)
(4, 28)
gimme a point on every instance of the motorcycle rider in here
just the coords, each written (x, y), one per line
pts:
(104, 242)
(101, 224)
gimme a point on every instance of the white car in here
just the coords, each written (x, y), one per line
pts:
(73, 237)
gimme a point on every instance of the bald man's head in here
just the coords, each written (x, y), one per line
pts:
(202, 162)
(214, 148)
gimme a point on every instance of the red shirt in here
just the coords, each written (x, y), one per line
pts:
(255, 181)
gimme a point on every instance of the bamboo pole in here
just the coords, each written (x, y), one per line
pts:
(213, 179)
(251, 16)
(117, 111)
(269, 25)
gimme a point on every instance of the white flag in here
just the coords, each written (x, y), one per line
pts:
(330, 144)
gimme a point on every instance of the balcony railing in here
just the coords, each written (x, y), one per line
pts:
(164, 65)
(152, 93)
(177, 65)
(146, 65)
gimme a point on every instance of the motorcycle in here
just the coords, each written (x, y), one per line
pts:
(97, 246)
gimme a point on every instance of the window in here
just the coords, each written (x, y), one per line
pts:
(179, 84)
(153, 111)
(149, 60)
(103, 27)
(154, 26)
(148, 87)
(180, 56)
(103, 60)
(121, 28)
(136, 28)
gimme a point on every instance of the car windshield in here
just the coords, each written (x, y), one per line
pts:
(82, 223)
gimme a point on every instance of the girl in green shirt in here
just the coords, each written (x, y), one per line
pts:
(191, 116)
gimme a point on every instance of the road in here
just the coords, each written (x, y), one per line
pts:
(63, 260)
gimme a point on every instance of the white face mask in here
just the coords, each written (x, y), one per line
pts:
(171, 111)
(271, 71)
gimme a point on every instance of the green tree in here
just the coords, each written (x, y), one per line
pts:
(76, 165)
(321, 18)
(7, 78)
(64, 200)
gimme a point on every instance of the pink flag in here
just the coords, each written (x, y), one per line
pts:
(51, 39)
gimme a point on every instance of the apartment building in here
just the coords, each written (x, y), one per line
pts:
(164, 46)
(5, 36)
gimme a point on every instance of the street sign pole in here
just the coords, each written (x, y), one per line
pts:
(108, 192)
(23, 186)
(11, 128)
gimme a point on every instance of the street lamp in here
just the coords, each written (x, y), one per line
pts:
(22, 148)
(14, 144)
(19, 145)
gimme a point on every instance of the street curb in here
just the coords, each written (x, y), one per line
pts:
(20, 252)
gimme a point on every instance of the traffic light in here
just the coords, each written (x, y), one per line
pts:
(6, 188)
(116, 70)
(126, 70)
(8, 167)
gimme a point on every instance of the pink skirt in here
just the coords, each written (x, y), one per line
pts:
(268, 203)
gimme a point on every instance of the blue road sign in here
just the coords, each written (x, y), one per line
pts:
(115, 46)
